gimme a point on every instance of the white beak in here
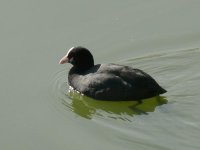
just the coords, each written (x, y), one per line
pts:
(64, 60)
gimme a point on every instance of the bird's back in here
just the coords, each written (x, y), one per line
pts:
(116, 82)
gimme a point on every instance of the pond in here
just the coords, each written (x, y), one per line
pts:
(37, 111)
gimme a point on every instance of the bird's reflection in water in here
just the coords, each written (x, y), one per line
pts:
(88, 107)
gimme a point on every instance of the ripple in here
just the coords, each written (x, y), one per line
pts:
(164, 67)
(58, 90)
(68, 100)
(128, 123)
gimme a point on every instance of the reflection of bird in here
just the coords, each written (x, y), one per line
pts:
(89, 108)
(108, 81)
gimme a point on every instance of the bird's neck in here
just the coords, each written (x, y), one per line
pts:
(79, 70)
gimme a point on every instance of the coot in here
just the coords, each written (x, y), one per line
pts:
(111, 82)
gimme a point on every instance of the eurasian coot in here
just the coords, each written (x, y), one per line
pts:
(111, 82)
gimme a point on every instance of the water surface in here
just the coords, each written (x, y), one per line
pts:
(159, 37)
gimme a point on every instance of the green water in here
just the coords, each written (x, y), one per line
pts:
(160, 37)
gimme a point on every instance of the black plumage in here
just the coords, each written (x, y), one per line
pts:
(108, 81)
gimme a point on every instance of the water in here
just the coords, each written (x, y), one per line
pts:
(161, 38)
